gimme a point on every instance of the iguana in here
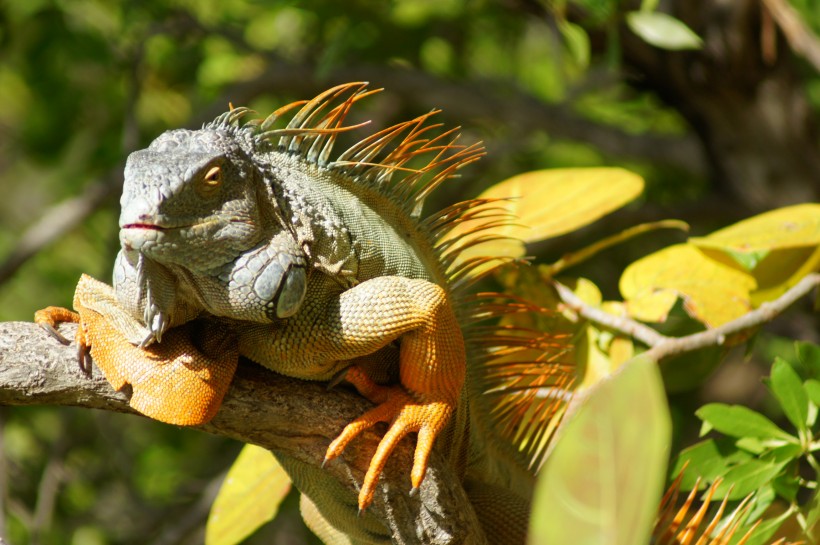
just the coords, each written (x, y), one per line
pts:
(245, 239)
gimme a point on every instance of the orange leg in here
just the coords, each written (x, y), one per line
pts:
(406, 415)
(432, 366)
(172, 381)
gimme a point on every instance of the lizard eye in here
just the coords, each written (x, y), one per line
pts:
(210, 183)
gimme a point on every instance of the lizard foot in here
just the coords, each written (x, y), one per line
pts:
(49, 317)
(406, 414)
(181, 380)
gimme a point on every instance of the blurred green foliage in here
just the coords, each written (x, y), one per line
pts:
(84, 82)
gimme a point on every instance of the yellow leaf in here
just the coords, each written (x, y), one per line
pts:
(553, 202)
(250, 496)
(586, 291)
(621, 350)
(788, 227)
(713, 292)
(652, 305)
(778, 247)
(598, 354)
(545, 204)
(593, 364)
(781, 270)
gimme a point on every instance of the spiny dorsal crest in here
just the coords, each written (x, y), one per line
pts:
(436, 155)
(312, 132)
(515, 376)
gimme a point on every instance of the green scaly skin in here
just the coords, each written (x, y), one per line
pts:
(312, 263)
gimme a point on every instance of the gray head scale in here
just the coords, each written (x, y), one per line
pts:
(197, 201)
(192, 198)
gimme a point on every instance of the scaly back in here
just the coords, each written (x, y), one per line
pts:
(510, 368)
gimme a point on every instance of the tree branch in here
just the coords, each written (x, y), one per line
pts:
(662, 346)
(622, 324)
(479, 100)
(295, 419)
(800, 37)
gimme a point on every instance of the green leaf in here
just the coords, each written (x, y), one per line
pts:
(739, 421)
(708, 460)
(784, 453)
(813, 390)
(787, 486)
(662, 30)
(752, 444)
(744, 479)
(748, 260)
(809, 355)
(604, 479)
(788, 389)
(250, 496)
(577, 42)
(760, 502)
(764, 532)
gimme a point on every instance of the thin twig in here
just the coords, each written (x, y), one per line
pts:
(623, 324)
(50, 481)
(573, 258)
(194, 517)
(716, 337)
(662, 346)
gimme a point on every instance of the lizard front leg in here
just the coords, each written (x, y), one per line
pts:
(176, 381)
(365, 318)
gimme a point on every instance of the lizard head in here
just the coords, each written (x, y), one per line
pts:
(191, 198)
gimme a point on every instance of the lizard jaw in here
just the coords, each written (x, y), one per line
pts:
(148, 226)
(138, 236)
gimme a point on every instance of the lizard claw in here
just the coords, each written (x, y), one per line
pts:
(49, 317)
(52, 331)
(337, 379)
(156, 321)
(407, 415)
(84, 359)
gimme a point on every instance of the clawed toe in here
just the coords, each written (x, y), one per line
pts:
(84, 359)
(49, 317)
(337, 379)
(407, 416)
(52, 331)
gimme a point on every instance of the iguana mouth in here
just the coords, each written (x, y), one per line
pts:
(149, 226)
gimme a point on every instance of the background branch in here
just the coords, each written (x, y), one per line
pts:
(295, 419)
(483, 101)
(662, 346)
(800, 37)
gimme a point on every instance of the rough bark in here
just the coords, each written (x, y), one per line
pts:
(295, 419)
